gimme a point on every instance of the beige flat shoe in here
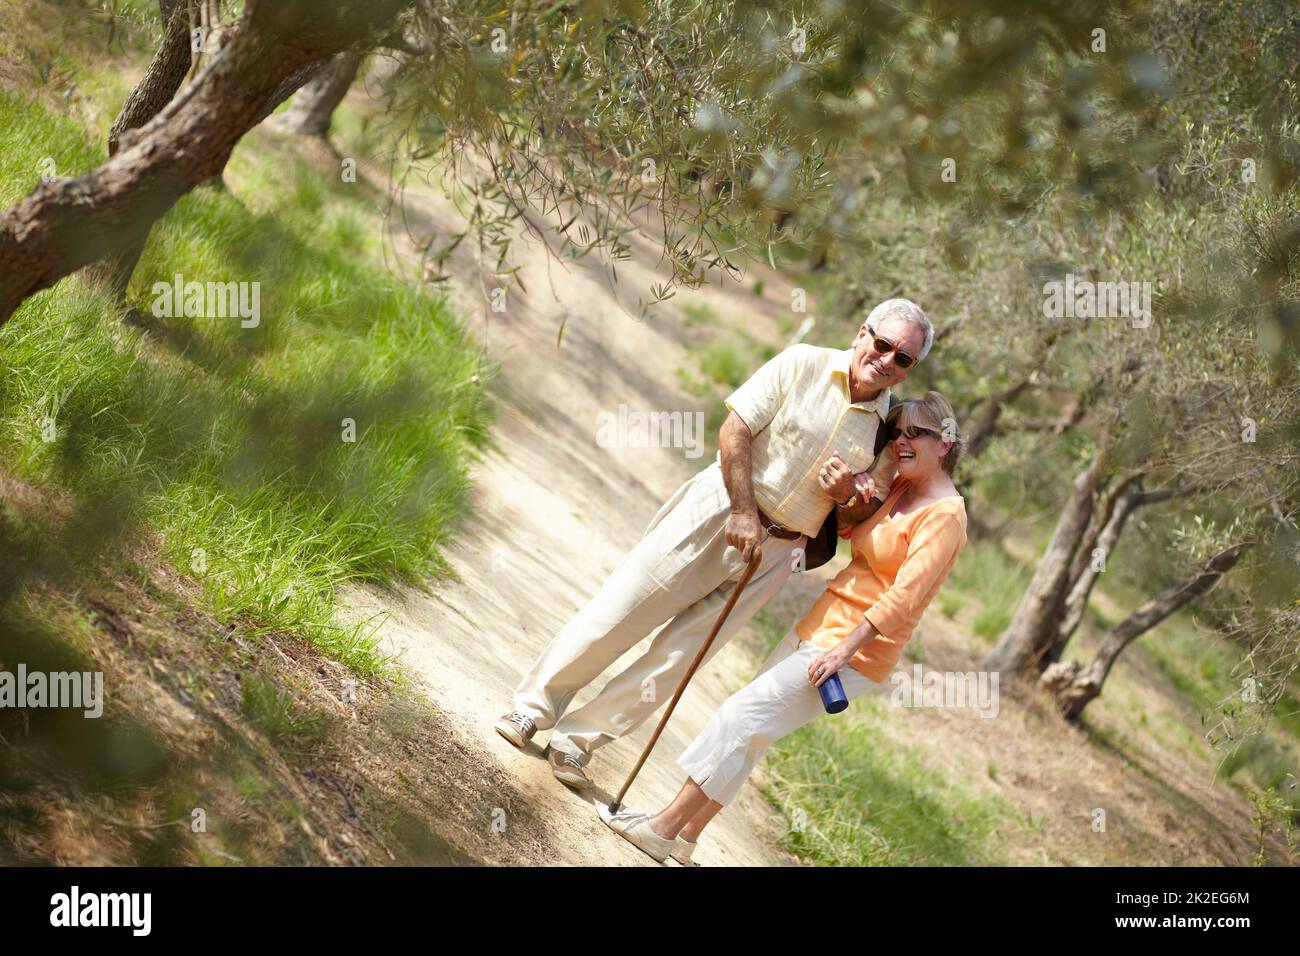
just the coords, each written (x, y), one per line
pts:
(634, 827)
(682, 850)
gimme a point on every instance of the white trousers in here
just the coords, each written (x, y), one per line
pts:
(681, 572)
(775, 703)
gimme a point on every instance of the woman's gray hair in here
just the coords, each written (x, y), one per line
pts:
(933, 412)
(908, 311)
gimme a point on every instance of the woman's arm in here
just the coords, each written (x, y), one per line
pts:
(930, 556)
(862, 505)
(828, 662)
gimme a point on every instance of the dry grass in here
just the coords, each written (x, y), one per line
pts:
(296, 776)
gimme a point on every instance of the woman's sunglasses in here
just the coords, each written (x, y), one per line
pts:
(884, 347)
(915, 431)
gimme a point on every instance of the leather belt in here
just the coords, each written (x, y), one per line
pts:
(774, 529)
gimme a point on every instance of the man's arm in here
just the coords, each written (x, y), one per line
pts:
(856, 496)
(752, 408)
(872, 487)
(863, 507)
(735, 445)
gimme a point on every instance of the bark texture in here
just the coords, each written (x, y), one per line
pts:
(1075, 687)
(312, 110)
(1034, 626)
(65, 225)
(164, 76)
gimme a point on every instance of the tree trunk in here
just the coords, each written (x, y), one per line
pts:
(67, 224)
(1120, 502)
(1076, 687)
(1038, 616)
(164, 76)
(161, 80)
(291, 85)
(312, 109)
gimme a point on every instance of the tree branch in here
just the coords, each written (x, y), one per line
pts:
(68, 223)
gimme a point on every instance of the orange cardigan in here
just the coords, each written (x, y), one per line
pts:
(898, 564)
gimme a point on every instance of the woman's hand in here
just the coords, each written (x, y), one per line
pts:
(864, 485)
(828, 662)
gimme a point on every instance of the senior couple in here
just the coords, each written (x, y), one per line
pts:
(799, 442)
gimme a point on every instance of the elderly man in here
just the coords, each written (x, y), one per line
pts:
(798, 441)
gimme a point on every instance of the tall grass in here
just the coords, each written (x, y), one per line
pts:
(994, 581)
(230, 443)
(852, 797)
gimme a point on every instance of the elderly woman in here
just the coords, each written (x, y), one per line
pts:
(901, 554)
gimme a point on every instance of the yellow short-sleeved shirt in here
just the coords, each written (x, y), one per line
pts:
(898, 564)
(799, 409)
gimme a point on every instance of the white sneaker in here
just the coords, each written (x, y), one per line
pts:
(634, 827)
(682, 850)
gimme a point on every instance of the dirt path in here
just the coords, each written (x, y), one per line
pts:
(556, 513)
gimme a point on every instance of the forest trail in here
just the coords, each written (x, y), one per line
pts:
(555, 513)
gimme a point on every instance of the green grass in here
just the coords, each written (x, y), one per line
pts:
(769, 630)
(717, 369)
(950, 603)
(698, 315)
(225, 443)
(989, 579)
(34, 140)
(691, 383)
(1201, 667)
(65, 47)
(853, 797)
(725, 361)
(277, 710)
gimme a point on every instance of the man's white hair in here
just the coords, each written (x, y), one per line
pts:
(908, 311)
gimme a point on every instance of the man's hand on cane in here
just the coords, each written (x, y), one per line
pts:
(744, 532)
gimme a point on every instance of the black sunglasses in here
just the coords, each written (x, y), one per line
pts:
(916, 431)
(884, 347)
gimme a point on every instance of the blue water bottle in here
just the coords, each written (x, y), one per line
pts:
(832, 691)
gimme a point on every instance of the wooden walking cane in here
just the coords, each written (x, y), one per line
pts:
(754, 558)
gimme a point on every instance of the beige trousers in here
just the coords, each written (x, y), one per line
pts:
(679, 575)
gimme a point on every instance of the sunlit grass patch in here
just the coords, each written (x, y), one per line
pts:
(852, 797)
(326, 443)
(989, 581)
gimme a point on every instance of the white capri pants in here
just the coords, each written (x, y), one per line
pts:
(775, 703)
